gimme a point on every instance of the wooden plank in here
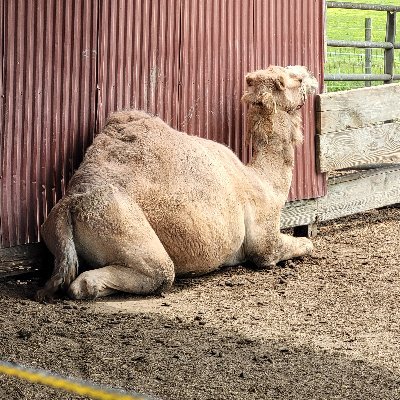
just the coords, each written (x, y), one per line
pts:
(356, 108)
(347, 195)
(297, 213)
(373, 189)
(22, 259)
(377, 144)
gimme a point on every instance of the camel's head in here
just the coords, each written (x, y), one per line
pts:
(278, 88)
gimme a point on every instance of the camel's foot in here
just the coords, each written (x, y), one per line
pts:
(46, 294)
(293, 247)
(284, 248)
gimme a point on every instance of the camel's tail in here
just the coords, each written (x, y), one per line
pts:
(57, 232)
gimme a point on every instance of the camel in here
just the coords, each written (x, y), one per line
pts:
(149, 203)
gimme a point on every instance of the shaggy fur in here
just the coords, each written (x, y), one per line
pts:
(149, 203)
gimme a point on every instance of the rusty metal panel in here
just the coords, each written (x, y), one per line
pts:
(139, 57)
(48, 108)
(217, 51)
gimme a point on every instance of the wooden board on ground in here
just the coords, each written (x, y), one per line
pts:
(22, 259)
(349, 194)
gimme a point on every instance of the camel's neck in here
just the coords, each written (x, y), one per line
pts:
(274, 137)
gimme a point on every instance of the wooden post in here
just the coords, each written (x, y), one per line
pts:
(368, 52)
(309, 231)
(390, 37)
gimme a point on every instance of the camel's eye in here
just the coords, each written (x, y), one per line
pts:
(249, 81)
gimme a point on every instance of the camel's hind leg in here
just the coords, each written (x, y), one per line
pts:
(114, 235)
(113, 278)
(57, 232)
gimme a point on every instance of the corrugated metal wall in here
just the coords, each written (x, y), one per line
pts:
(139, 46)
(66, 65)
(48, 106)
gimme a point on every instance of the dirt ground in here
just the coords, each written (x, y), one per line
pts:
(324, 327)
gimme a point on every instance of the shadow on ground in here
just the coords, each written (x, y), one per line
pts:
(173, 358)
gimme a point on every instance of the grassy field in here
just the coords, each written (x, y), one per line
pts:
(349, 25)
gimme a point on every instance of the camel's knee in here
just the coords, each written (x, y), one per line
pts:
(157, 278)
(305, 245)
(283, 248)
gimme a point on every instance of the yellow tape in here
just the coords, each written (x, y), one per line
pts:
(80, 388)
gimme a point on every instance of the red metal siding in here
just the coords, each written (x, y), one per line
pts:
(66, 65)
(139, 57)
(48, 109)
(217, 51)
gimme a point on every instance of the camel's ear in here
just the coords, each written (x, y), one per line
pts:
(280, 83)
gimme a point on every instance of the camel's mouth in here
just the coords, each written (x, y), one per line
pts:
(309, 83)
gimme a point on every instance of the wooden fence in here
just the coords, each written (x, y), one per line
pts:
(358, 133)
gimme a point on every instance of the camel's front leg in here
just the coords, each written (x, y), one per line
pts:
(283, 247)
(292, 247)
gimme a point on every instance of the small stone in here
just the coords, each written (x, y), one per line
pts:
(284, 350)
(139, 357)
(175, 344)
(24, 334)
(216, 353)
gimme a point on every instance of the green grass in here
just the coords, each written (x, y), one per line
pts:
(349, 25)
